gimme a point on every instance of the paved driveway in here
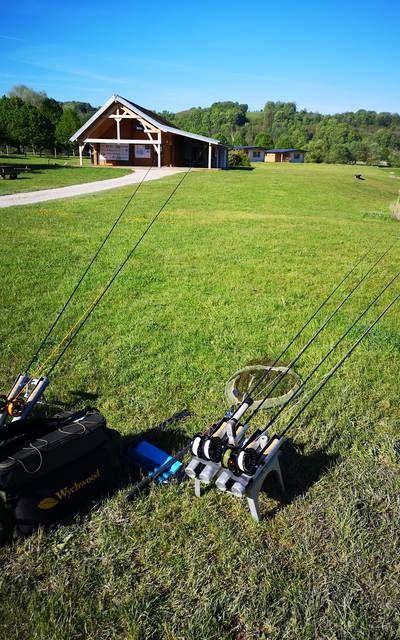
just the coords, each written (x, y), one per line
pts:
(32, 197)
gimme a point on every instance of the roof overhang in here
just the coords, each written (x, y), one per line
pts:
(115, 99)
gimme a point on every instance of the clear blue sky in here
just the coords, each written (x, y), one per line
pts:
(327, 56)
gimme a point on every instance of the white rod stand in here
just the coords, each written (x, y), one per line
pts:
(253, 490)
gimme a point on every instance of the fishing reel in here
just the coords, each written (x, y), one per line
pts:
(239, 460)
(207, 447)
(14, 407)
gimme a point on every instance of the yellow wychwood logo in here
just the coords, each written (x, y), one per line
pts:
(66, 492)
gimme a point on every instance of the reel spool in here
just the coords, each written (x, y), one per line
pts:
(208, 448)
(240, 383)
(240, 461)
(14, 408)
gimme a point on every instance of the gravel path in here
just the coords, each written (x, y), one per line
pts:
(32, 197)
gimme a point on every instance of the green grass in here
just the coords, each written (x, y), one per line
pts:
(49, 173)
(233, 266)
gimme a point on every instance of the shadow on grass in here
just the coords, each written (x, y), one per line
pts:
(299, 472)
(241, 168)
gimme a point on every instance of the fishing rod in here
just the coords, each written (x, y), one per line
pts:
(248, 484)
(245, 457)
(90, 310)
(211, 447)
(13, 405)
(269, 449)
(86, 270)
(359, 260)
(280, 376)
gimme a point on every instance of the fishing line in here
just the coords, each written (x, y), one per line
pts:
(331, 350)
(358, 261)
(276, 381)
(85, 316)
(339, 364)
(87, 269)
(236, 413)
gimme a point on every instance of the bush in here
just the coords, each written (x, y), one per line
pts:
(394, 158)
(238, 159)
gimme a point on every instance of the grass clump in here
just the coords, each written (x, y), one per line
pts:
(395, 208)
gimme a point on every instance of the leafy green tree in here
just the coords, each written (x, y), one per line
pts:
(14, 115)
(39, 129)
(52, 110)
(375, 155)
(284, 141)
(67, 125)
(238, 140)
(339, 153)
(359, 151)
(317, 151)
(394, 158)
(263, 140)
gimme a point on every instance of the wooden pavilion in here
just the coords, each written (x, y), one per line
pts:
(122, 133)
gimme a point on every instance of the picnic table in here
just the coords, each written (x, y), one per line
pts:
(7, 171)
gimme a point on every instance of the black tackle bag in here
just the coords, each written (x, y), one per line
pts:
(53, 468)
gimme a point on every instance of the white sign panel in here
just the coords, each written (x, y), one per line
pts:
(142, 151)
(114, 152)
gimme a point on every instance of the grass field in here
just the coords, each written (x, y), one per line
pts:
(49, 173)
(233, 266)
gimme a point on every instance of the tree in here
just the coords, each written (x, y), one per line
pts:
(394, 158)
(238, 140)
(374, 153)
(338, 153)
(263, 140)
(52, 110)
(28, 95)
(284, 141)
(39, 129)
(359, 151)
(14, 114)
(316, 151)
(66, 127)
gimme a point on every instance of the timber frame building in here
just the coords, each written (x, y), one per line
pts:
(122, 133)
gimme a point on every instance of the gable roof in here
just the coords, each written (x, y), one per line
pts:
(285, 150)
(249, 148)
(150, 116)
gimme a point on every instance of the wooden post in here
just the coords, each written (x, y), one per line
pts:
(209, 155)
(80, 154)
(159, 149)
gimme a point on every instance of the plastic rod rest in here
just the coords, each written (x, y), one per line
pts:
(252, 491)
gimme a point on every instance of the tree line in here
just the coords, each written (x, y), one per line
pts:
(30, 119)
(360, 136)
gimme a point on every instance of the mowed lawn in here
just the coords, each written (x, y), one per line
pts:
(49, 173)
(233, 267)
